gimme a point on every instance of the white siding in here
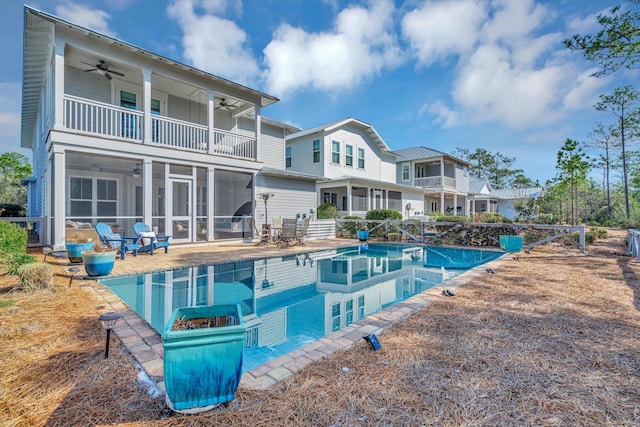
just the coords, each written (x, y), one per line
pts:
(87, 85)
(462, 181)
(302, 155)
(291, 197)
(417, 203)
(272, 149)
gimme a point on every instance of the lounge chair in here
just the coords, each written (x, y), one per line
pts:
(114, 240)
(301, 233)
(287, 234)
(149, 238)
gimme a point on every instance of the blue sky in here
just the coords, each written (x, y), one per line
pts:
(440, 74)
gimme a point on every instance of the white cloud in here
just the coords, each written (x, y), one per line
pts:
(361, 44)
(585, 93)
(512, 75)
(91, 18)
(212, 43)
(438, 30)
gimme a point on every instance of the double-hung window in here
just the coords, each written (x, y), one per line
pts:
(348, 155)
(287, 157)
(316, 151)
(335, 152)
(405, 172)
(360, 158)
(80, 197)
(93, 197)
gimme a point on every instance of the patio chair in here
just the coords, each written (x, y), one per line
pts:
(116, 241)
(287, 234)
(149, 238)
(301, 233)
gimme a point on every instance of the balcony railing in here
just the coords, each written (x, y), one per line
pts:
(435, 181)
(112, 121)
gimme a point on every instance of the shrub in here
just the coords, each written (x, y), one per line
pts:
(15, 261)
(36, 275)
(384, 214)
(13, 239)
(350, 227)
(327, 211)
(12, 210)
(453, 218)
(491, 217)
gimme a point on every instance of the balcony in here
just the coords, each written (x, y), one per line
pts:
(435, 181)
(111, 121)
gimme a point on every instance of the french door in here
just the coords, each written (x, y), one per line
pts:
(181, 223)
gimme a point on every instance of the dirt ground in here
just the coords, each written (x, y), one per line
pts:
(552, 338)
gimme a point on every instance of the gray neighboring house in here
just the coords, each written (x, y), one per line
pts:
(485, 199)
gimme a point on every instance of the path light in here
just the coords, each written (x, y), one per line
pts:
(108, 321)
(72, 272)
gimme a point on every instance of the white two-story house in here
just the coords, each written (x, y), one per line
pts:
(358, 168)
(444, 179)
(120, 134)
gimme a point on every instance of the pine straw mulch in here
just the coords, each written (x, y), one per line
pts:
(551, 339)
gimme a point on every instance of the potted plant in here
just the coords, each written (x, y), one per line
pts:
(99, 261)
(363, 233)
(202, 356)
(76, 244)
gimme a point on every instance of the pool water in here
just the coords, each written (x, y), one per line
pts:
(293, 300)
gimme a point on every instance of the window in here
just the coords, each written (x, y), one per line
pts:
(420, 172)
(129, 128)
(361, 158)
(349, 312)
(93, 197)
(335, 317)
(330, 198)
(348, 155)
(287, 156)
(335, 152)
(405, 171)
(360, 306)
(316, 151)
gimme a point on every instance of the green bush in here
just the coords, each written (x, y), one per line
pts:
(453, 218)
(13, 239)
(14, 261)
(350, 227)
(327, 211)
(37, 275)
(491, 217)
(384, 214)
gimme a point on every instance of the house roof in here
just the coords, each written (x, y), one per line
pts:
(517, 193)
(38, 45)
(419, 153)
(373, 134)
(290, 174)
(476, 185)
(371, 182)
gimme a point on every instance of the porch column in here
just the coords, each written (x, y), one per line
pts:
(442, 172)
(455, 204)
(349, 195)
(210, 195)
(369, 198)
(258, 155)
(442, 202)
(59, 185)
(386, 198)
(58, 87)
(147, 193)
(210, 122)
(146, 108)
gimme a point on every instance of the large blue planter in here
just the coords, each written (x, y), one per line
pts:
(203, 366)
(363, 235)
(511, 243)
(75, 250)
(99, 263)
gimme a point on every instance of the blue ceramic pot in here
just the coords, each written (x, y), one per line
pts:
(75, 250)
(99, 263)
(511, 243)
(363, 235)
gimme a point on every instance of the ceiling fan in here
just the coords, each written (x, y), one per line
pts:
(102, 68)
(224, 104)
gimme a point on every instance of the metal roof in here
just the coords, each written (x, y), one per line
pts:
(290, 174)
(476, 185)
(371, 182)
(419, 153)
(373, 134)
(39, 33)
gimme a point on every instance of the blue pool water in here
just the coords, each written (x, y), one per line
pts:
(293, 300)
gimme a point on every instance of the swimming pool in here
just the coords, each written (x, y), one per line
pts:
(293, 300)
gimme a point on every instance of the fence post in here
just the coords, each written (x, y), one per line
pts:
(582, 238)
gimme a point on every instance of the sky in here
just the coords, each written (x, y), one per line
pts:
(440, 74)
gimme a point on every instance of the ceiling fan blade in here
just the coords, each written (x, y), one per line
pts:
(108, 76)
(93, 69)
(117, 73)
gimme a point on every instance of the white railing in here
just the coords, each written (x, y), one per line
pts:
(232, 144)
(177, 133)
(104, 119)
(435, 181)
(634, 243)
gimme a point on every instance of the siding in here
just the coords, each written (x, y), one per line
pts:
(272, 149)
(87, 85)
(302, 155)
(291, 197)
(186, 110)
